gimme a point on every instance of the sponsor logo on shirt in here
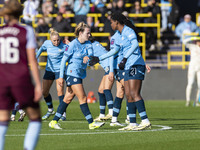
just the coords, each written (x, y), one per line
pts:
(66, 47)
(112, 41)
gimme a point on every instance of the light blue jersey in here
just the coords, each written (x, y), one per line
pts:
(99, 50)
(74, 54)
(54, 55)
(119, 55)
(131, 49)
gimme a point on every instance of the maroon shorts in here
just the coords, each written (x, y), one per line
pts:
(22, 94)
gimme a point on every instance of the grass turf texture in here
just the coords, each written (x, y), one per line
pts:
(184, 134)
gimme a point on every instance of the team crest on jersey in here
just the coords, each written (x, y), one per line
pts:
(59, 50)
(122, 38)
(66, 47)
(123, 73)
(70, 71)
(112, 41)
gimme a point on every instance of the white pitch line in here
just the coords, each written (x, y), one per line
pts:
(97, 132)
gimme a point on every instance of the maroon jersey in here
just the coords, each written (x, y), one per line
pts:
(14, 41)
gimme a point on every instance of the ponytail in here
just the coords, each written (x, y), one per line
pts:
(128, 23)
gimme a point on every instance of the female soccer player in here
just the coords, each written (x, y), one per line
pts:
(134, 66)
(193, 43)
(77, 55)
(104, 90)
(55, 50)
(17, 50)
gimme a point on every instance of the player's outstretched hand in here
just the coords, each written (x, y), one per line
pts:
(93, 60)
(122, 63)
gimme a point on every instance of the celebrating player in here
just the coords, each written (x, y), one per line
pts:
(77, 55)
(17, 50)
(104, 90)
(134, 66)
(55, 49)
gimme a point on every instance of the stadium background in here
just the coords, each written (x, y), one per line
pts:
(159, 84)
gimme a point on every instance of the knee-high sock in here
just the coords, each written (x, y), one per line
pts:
(32, 135)
(116, 108)
(132, 112)
(102, 103)
(141, 109)
(85, 110)
(61, 98)
(109, 99)
(60, 110)
(3, 130)
(48, 101)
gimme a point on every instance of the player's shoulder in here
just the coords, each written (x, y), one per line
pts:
(47, 42)
(129, 32)
(73, 42)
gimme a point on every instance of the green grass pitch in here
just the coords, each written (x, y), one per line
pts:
(183, 121)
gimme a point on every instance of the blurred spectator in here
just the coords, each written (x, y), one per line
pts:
(198, 19)
(165, 11)
(48, 7)
(60, 24)
(151, 33)
(187, 26)
(68, 4)
(174, 14)
(66, 40)
(137, 9)
(92, 24)
(41, 28)
(118, 5)
(99, 7)
(108, 29)
(81, 9)
(29, 11)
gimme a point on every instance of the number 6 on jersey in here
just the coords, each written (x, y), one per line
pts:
(9, 52)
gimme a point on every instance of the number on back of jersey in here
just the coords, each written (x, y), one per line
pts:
(9, 52)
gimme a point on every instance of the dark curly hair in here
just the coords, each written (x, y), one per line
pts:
(117, 16)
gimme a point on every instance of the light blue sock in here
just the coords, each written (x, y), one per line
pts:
(32, 135)
(3, 130)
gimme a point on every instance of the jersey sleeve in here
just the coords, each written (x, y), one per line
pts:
(114, 48)
(42, 48)
(31, 40)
